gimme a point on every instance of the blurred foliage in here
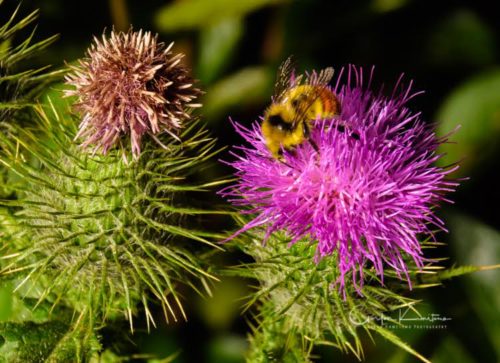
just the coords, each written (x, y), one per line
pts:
(188, 14)
(478, 243)
(462, 39)
(221, 308)
(474, 107)
(388, 5)
(452, 50)
(227, 349)
(217, 47)
(451, 351)
(242, 90)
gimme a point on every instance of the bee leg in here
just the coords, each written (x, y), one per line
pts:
(314, 145)
(281, 159)
(305, 128)
(285, 163)
(355, 135)
(307, 134)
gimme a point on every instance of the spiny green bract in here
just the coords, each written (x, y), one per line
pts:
(300, 293)
(277, 342)
(18, 89)
(103, 235)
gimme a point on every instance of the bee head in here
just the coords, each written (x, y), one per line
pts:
(276, 120)
(279, 116)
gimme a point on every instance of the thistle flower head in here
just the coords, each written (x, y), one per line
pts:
(99, 235)
(364, 188)
(130, 84)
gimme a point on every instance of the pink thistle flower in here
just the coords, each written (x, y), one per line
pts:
(364, 188)
(130, 85)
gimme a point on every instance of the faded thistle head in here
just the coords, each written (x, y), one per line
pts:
(130, 84)
(364, 188)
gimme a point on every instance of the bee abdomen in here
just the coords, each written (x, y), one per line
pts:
(329, 101)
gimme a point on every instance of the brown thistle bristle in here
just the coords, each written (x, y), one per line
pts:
(130, 84)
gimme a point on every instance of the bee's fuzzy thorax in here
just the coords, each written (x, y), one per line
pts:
(295, 106)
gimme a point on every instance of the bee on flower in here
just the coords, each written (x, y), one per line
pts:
(364, 188)
(288, 120)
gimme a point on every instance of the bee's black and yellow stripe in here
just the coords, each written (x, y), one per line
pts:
(286, 122)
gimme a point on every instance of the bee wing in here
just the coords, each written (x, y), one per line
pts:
(310, 96)
(319, 80)
(284, 77)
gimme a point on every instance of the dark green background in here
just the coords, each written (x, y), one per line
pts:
(450, 48)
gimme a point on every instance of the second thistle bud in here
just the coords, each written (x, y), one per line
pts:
(130, 85)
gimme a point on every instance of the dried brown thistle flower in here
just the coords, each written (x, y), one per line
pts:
(130, 84)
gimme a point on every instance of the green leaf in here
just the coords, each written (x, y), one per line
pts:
(476, 107)
(479, 244)
(247, 87)
(394, 339)
(53, 96)
(107, 357)
(191, 14)
(21, 341)
(217, 46)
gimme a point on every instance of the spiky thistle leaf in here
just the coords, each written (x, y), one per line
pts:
(300, 294)
(19, 88)
(102, 235)
(276, 342)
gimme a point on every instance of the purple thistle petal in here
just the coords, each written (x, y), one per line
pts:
(366, 198)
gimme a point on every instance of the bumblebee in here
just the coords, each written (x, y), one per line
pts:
(295, 105)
